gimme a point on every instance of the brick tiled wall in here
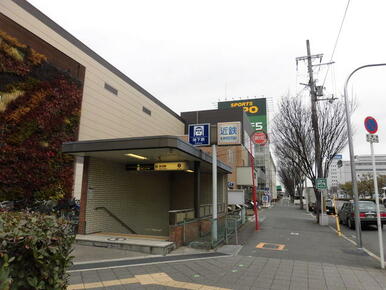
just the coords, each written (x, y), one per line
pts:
(140, 199)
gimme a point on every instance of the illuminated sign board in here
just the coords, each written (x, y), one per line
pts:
(256, 110)
(170, 166)
(229, 133)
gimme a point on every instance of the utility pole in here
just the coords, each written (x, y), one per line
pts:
(315, 93)
(315, 126)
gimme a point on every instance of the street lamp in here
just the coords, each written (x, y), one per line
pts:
(351, 149)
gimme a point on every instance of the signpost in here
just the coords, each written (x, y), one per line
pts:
(371, 126)
(252, 158)
(199, 135)
(321, 185)
(214, 193)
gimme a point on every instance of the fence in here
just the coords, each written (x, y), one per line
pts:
(198, 232)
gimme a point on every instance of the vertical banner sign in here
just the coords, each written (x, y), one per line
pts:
(256, 110)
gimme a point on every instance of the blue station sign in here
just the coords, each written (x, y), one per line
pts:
(199, 134)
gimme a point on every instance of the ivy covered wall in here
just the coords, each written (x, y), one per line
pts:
(39, 110)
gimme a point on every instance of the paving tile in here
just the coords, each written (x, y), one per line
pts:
(334, 281)
(297, 287)
(279, 287)
(116, 287)
(106, 275)
(243, 287)
(337, 287)
(282, 280)
(277, 277)
(302, 285)
(75, 279)
(90, 277)
(263, 283)
(121, 273)
(256, 273)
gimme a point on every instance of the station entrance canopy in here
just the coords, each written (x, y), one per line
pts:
(144, 185)
(152, 149)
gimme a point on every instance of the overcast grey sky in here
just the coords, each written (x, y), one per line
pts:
(190, 54)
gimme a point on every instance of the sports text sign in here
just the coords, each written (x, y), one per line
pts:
(256, 110)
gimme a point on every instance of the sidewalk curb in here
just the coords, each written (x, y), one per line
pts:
(371, 254)
(145, 261)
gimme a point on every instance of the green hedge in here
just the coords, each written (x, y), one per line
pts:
(34, 251)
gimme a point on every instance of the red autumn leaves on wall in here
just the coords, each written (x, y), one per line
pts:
(39, 110)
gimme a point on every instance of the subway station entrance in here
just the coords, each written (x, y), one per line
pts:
(147, 187)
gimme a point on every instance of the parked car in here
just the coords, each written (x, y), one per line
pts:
(330, 209)
(367, 214)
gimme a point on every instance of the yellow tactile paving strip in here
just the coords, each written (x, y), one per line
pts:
(161, 279)
(274, 247)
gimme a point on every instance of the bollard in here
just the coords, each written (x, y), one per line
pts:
(337, 219)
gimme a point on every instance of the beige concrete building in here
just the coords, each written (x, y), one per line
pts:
(119, 117)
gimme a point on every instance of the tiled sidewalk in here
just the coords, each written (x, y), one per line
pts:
(234, 272)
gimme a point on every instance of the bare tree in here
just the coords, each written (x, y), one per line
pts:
(286, 178)
(294, 141)
(291, 178)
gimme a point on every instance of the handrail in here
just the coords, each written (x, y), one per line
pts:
(116, 218)
(181, 210)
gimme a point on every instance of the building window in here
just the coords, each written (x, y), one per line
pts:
(231, 158)
(146, 111)
(111, 89)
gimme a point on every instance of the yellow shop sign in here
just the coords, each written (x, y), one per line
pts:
(169, 166)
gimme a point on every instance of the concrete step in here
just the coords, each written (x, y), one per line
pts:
(143, 245)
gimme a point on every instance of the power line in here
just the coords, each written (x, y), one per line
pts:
(337, 39)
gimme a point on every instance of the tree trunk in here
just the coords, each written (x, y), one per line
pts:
(318, 204)
(301, 202)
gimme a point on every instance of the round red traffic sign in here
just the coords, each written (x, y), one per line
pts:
(371, 125)
(259, 137)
